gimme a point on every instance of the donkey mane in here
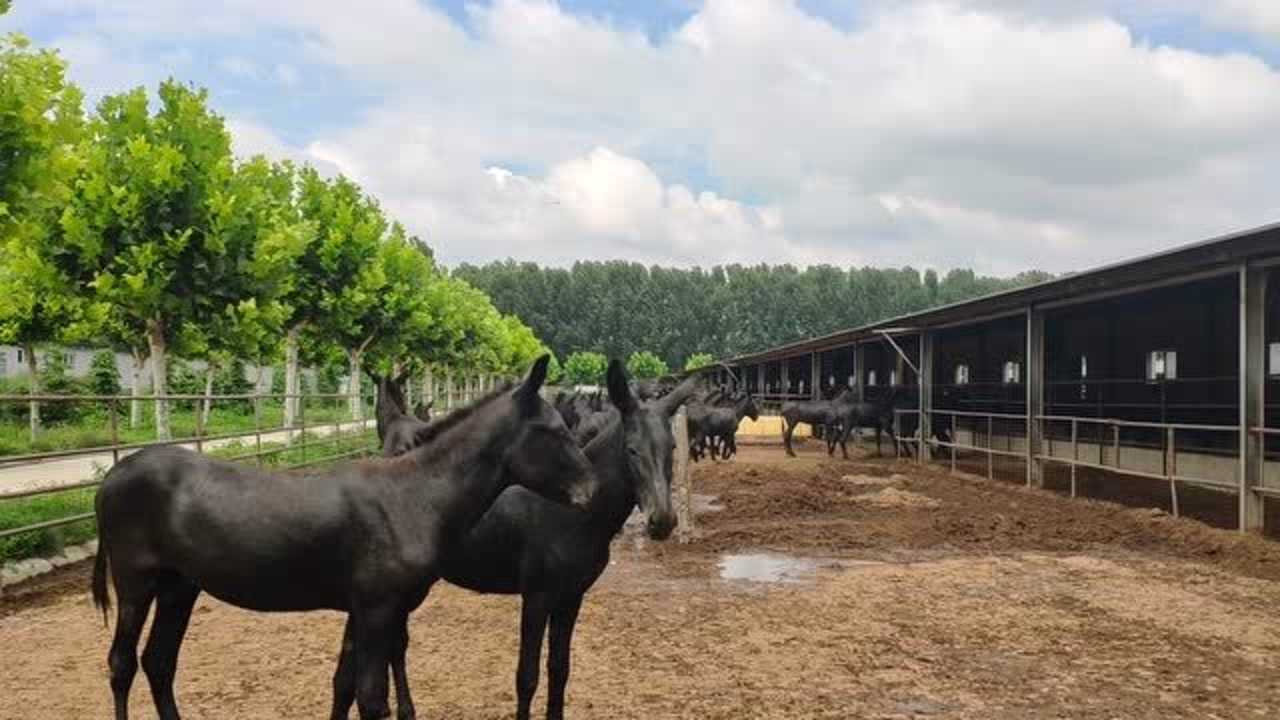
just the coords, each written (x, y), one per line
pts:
(433, 431)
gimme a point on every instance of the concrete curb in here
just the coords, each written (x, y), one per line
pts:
(22, 570)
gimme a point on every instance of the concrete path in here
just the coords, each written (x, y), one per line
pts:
(79, 468)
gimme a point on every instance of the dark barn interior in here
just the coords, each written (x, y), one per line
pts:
(1124, 383)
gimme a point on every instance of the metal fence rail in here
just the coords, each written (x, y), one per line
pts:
(1108, 440)
(300, 437)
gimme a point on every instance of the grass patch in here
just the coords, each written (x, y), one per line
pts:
(92, 428)
(42, 543)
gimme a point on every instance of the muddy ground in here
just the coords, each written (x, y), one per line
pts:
(868, 590)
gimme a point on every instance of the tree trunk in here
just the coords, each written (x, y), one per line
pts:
(208, 394)
(33, 378)
(159, 381)
(135, 405)
(291, 374)
(355, 402)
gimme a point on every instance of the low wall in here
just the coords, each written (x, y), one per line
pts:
(768, 427)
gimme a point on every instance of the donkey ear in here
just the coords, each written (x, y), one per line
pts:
(528, 392)
(619, 387)
(668, 404)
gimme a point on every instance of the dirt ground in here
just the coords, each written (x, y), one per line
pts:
(900, 593)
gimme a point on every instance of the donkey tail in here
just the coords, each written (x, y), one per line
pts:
(101, 599)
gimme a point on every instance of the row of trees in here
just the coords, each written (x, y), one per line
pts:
(618, 308)
(135, 228)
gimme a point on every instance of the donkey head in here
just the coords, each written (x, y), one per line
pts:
(543, 455)
(648, 444)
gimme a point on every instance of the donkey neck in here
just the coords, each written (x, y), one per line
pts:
(615, 496)
(464, 469)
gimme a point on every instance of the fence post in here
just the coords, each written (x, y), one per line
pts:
(955, 429)
(1253, 309)
(115, 431)
(302, 422)
(680, 477)
(991, 455)
(257, 423)
(199, 425)
(1075, 452)
(1171, 469)
(1035, 394)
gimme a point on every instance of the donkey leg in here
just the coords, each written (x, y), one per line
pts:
(123, 657)
(563, 620)
(160, 657)
(533, 625)
(787, 429)
(344, 678)
(404, 699)
(375, 632)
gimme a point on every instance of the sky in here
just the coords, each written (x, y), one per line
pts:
(1000, 135)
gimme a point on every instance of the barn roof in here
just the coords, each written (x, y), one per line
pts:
(1209, 257)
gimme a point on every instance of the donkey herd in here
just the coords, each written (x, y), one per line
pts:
(510, 495)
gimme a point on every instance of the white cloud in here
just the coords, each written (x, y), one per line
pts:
(989, 132)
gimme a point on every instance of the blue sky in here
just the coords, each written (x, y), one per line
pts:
(1000, 134)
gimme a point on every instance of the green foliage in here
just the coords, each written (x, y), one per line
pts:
(231, 379)
(645, 365)
(585, 368)
(620, 307)
(40, 121)
(183, 379)
(55, 379)
(698, 360)
(104, 375)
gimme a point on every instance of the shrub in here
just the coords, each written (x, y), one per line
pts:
(104, 375)
(698, 360)
(585, 368)
(55, 380)
(644, 365)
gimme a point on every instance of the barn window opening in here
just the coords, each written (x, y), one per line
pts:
(1084, 366)
(893, 378)
(1274, 351)
(1012, 372)
(871, 377)
(22, 357)
(851, 381)
(962, 374)
(1162, 365)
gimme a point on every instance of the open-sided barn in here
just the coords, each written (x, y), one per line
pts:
(1155, 379)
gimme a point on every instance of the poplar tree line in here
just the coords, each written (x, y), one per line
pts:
(134, 227)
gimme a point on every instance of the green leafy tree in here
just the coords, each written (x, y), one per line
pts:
(40, 121)
(645, 365)
(139, 232)
(104, 376)
(326, 257)
(56, 379)
(698, 360)
(585, 368)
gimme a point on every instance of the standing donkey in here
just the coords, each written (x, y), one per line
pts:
(365, 538)
(551, 554)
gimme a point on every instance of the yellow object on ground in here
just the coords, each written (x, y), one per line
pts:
(770, 427)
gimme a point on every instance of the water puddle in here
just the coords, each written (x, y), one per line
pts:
(767, 568)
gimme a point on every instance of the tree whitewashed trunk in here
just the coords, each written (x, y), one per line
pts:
(159, 381)
(33, 388)
(291, 374)
(135, 405)
(355, 402)
(208, 394)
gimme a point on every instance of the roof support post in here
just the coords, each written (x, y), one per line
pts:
(785, 371)
(1253, 308)
(815, 376)
(925, 378)
(1034, 383)
(860, 370)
